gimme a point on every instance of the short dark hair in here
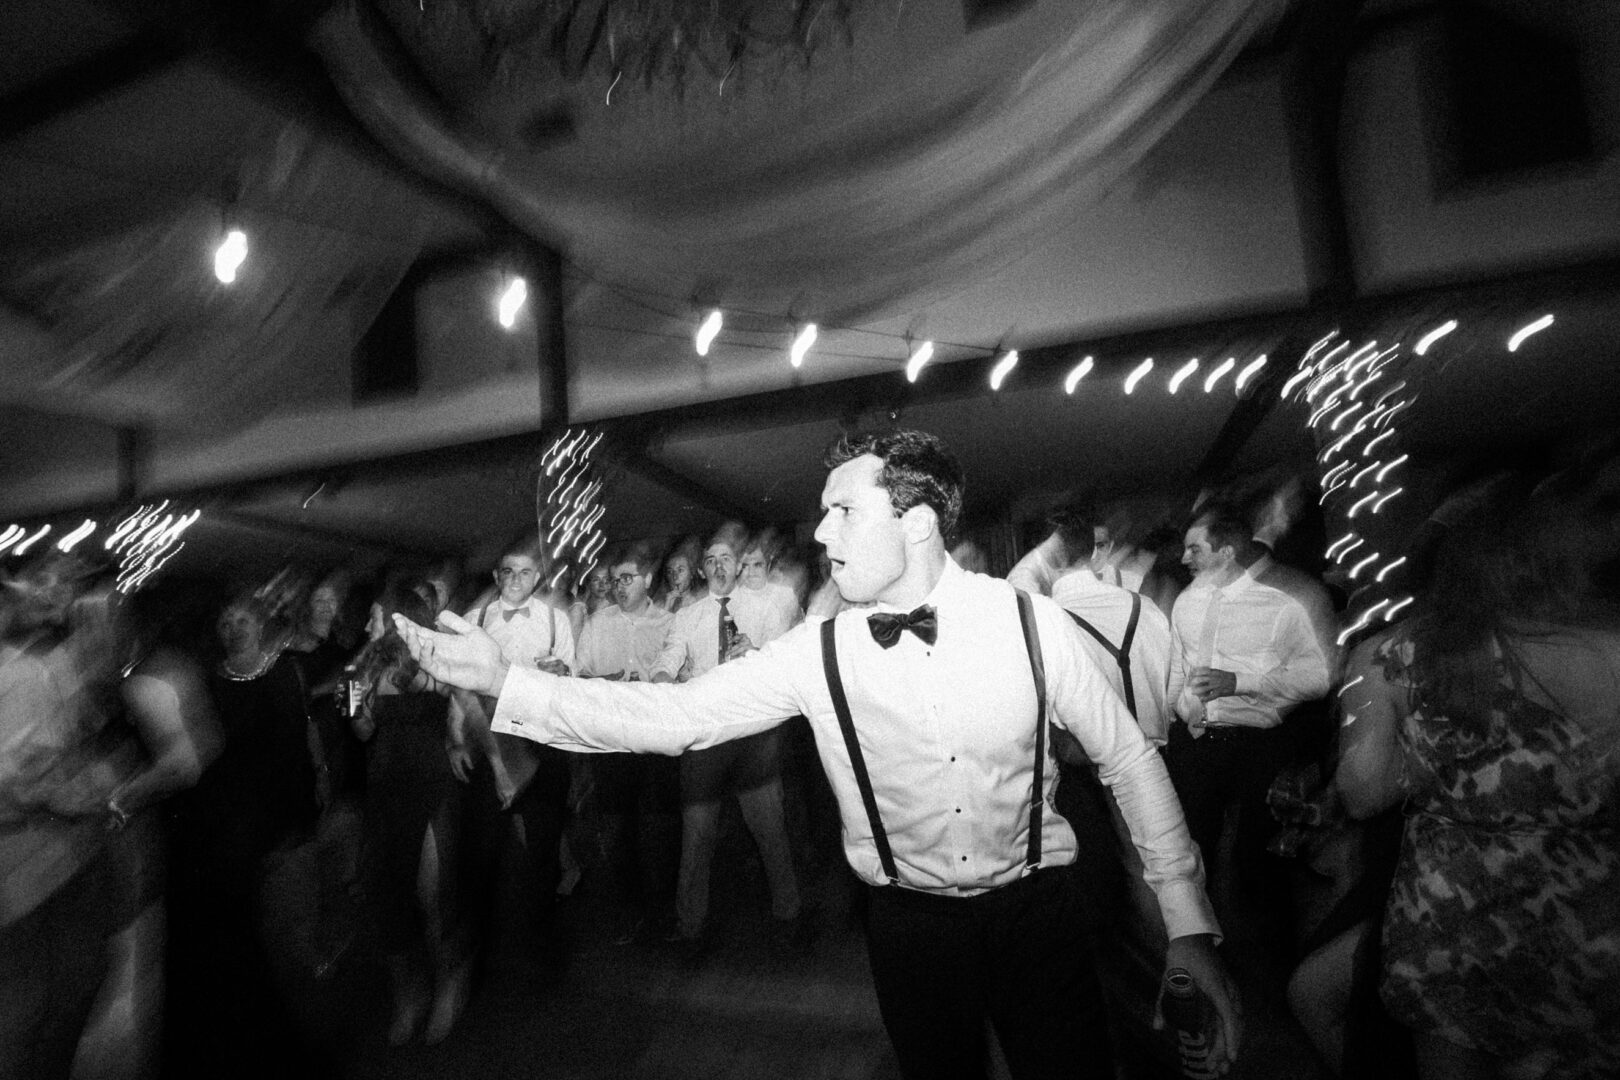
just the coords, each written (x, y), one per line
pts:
(917, 471)
(1076, 527)
(642, 554)
(1226, 528)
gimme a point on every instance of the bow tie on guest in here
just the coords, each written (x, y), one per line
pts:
(508, 614)
(886, 627)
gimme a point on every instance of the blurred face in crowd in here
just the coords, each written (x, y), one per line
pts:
(599, 583)
(678, 572)
(376, 625)
(720, 566)
(1103, 549)
(516, 575)
(323, 607)
(630, 586)
(239, 630)
(1200, 558)
(752, 572)
(865, 538)
(39, 597)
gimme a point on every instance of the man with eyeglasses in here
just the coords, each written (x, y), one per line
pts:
(722, 626)
(638, 794)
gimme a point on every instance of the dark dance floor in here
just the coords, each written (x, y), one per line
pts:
(754, 1006)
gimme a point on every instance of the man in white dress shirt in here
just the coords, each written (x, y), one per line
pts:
(639, 794)
(533, 634)
(1072, 533)
(939, 765)
(723, 626)
(1252, 654)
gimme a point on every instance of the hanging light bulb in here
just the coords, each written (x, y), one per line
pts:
(71, 540)
(230, 256)
(22, 548)
(1215, 376)
(512, 301)
(1080, 371)
(1182, 374)
(924, 353)
(1525, 331)
(1434, 335)
(1008, 362)
(708, 331)
(801, 344)
(1249, 371)
(1138, 374)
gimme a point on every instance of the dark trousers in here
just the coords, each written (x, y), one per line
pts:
(1214, 771)
(638, 798)
(1017, 958)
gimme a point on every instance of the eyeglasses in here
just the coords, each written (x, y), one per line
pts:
(625, 579)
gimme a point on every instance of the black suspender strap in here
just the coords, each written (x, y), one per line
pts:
(857, 761)
(1122, 652)
(1037, 667)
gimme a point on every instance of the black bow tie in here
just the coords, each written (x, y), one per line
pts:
(886, 628)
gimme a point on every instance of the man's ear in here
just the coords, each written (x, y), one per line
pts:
(920, 522)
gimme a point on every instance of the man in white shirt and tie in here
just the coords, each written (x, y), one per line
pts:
(1252, 654)
(723, 626)
(930, 716)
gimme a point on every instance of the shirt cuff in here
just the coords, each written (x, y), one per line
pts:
(1245, 683)
(1186, 910)
(524, 704)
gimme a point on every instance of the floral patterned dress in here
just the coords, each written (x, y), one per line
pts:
(1503, 926)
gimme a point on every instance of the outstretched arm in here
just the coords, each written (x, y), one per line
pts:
(460, 654)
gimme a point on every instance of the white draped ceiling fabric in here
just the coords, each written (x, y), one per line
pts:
(860, 187)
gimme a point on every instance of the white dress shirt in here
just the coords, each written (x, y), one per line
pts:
(537, 631)
(694, 639)
(1034, 573)
(615, 640)
(1260, 634)
(1155, 656)
(947, 731)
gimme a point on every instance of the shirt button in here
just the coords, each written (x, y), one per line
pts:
(958, 809)
(964, 858)
(953, 757)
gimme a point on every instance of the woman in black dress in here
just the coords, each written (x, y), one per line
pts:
(411, 824)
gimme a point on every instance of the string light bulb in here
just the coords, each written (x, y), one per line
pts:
(72, 539)
(1006, 364)
(22, 548)
(1079, 372)
(511, 302)
(708, 330)
(921, 356)
(1215, 376)
(1428, 340)
(1525, 331)
(1250, 370)
(1183, 373)
(1138, 374)
(801, 344)
(230, 255)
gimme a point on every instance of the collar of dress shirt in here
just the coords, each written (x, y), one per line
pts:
(1080, 583)
(950, 580)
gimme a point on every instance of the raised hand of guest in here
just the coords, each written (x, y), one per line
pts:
(552, 666)
(460, 654)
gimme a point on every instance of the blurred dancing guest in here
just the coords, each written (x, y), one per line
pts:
(1491, 713)
(531, 781)
(55, 886)
(725, 625)
(639, 794)
(412, 825)
(683, 577)
(932, 731)
(1072, 532)
(242, 906)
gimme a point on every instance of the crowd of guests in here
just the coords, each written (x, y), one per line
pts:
(1415, 821)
